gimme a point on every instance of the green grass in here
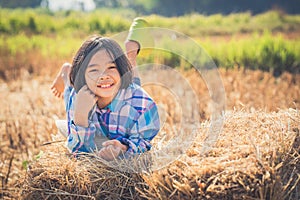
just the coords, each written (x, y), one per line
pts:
(264, 52)
(38, 21)
(33, 37)
(107, 21)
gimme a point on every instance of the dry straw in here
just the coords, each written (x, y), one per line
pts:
(256, 157)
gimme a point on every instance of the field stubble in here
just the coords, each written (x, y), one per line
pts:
(256, 155)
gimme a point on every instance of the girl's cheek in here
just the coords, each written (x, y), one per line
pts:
(116, 75)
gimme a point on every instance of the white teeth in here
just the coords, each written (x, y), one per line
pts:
(105, 85)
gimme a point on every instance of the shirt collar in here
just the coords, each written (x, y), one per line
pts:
(115, 104)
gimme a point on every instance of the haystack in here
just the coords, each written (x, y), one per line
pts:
(256, 157)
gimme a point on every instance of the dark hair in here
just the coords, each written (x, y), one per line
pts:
(91, 46)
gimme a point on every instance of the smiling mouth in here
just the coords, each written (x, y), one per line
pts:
(105, 85)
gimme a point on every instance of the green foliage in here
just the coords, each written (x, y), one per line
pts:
(198, 25)
(104, 21)
(264, 52)
(32, 36)
(17, 3)
(32, 25)
(26, 163)
(259, 51)
(39, 21)
(276, 55)
(178, 8)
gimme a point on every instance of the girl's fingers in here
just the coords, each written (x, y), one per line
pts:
(109, 153)
(106, 155)
(110, 142)
(88, 92)
(102, 153)
(116, 144)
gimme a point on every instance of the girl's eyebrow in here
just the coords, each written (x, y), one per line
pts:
(95, 64)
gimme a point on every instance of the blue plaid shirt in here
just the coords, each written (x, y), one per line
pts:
(132, 118)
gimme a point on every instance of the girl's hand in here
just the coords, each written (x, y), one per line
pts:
(84, 102)
(112, 149)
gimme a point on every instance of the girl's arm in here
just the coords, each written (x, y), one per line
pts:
(144, 130)
(83, 104)
(81, 130)
(81, 139)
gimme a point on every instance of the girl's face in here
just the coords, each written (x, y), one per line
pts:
(102, 76)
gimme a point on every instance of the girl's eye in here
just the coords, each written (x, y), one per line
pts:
(93, 70)
(112, 67)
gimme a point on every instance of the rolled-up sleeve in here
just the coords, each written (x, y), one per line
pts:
(143, 131)
(67, 94)
(81, 139)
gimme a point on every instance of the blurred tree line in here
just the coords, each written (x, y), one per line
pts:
(177, 8)
(20, 4)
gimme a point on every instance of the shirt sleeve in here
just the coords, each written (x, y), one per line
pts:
(67, 94)
(81, 139)
(143, 131)
(137, 80)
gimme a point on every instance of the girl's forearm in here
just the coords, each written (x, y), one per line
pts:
(81, 119)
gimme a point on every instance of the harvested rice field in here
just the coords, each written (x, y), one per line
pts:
(256, 155)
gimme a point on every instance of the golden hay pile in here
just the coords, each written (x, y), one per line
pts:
(256, 157)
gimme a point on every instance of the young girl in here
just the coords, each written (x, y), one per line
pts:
(104, 101)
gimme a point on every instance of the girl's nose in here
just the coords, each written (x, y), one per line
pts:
(103, 76)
